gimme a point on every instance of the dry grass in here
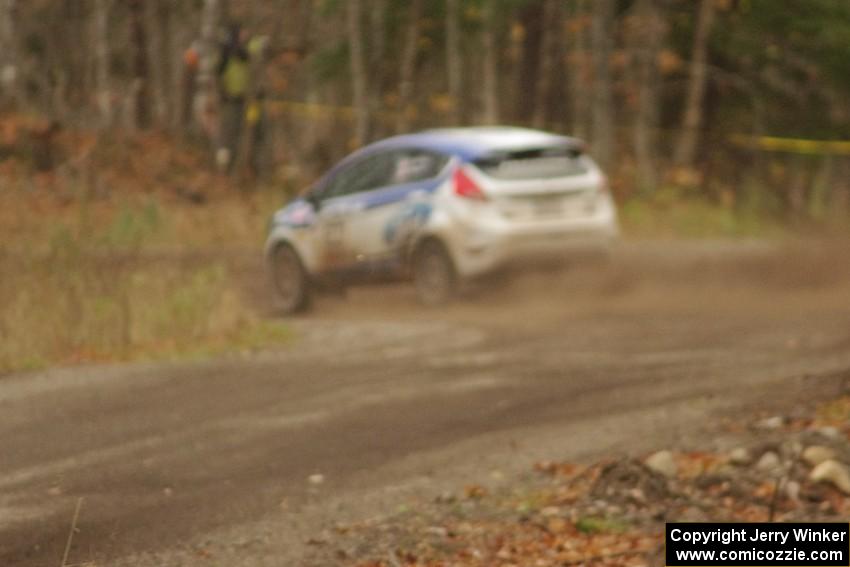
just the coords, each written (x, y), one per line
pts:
(680, 213)
(94, 281)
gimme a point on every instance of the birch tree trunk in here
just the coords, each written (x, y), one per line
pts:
(205, 91)
(408, 66)
(648, 39)
(454, 63)
(491, 64)
(102, 74)
(695, 98)
(546, 69)
(358, 72)
(9, 64)
(602, 32)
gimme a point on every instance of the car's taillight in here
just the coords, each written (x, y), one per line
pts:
(466, 187)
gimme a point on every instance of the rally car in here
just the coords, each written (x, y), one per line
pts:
(439, 207)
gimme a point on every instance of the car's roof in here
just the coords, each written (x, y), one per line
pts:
(469, 144)
(474, 142)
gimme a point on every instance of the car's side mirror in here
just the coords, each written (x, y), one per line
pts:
(315, 200)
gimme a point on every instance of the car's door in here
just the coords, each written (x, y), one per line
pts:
(389, 211)
(340, 201)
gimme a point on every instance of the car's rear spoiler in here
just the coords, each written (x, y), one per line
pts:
(569, 146)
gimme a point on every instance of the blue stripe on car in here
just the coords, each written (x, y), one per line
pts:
(394, 194)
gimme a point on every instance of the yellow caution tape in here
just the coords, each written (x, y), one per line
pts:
(313, 110)
(317, 110)
(793, 145)
(763, 143)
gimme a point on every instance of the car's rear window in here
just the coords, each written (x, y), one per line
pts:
(535, 163)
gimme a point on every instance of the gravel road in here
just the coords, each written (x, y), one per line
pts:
(239, 460)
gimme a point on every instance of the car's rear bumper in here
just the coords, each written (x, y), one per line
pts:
(479, 249)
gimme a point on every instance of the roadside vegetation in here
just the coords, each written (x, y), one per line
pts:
(90, 274)
(676, 212)
(111, 293)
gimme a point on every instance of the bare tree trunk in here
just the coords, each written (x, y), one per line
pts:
(77, 58)
(648, 39)
(491, 64)
(9, 68)
(155, 57)
(224, 13)
(307, 135)
(377, 26)
(141, 66)
(205, 91)
(377, 53)
(514, 72)
(247, 159)
(162, 55)
(454, 62)
(408, 66)
(358, 72)
(579, 77)
(102, 75)
(694, 107)
(181, 38)
(602, 32)
(528, 30)
(546, 69)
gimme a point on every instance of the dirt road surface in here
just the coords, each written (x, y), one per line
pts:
(217, 462)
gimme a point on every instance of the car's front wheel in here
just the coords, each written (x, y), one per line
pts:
(290, 280)
(433, 274)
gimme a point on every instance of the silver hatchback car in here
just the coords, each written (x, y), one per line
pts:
(441, 206)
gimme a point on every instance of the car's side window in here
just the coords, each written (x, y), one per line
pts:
(415, 165)
(336, 185)
(395, 167)
(369, 173)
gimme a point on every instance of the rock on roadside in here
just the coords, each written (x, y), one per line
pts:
(769, 462)
(834, 473)
(663, 463)
(740, 456)
(771, 423)
(817, 454)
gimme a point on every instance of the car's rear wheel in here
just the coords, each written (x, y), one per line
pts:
(290, 280)
(434, 274)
